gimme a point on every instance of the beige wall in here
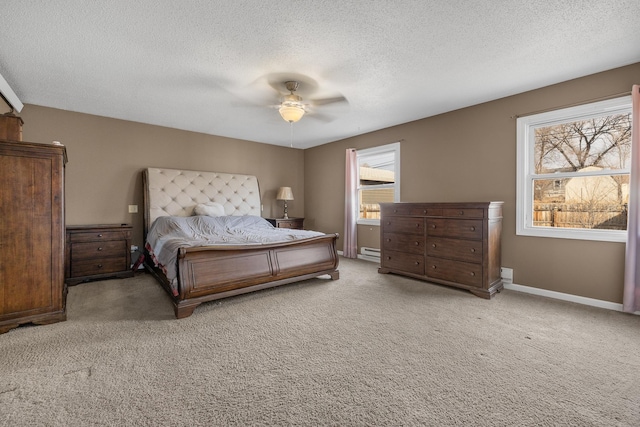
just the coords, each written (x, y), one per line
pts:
(107, 156)
(470, 155)
(465, 155)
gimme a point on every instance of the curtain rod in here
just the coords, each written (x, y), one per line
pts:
(588, 101)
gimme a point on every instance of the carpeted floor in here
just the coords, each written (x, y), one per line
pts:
(366, 350)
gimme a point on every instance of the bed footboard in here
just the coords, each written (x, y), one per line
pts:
(214, 272)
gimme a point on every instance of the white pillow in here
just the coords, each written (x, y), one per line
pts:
(212, 209)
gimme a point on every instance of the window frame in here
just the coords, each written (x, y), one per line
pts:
(393, 147)
(525, 175)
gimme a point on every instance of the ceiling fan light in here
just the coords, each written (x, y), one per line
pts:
(291, 113)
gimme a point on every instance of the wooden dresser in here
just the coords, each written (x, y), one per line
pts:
(96, 252)
(32, 288)
(456, 244)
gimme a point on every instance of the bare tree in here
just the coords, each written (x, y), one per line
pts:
(603, 142)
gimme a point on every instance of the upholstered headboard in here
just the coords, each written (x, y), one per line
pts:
(173, 192)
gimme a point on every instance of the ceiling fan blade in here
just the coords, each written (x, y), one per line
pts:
(321, 117)
(325, 101)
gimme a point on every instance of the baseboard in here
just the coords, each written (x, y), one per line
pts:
(546, 293)
(566, 297)
(363, 257)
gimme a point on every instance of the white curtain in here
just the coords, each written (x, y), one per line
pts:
(350, 245)
(631, 297)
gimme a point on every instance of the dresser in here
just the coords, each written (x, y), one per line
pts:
(296, 223)
(96, 252)
(455, 244)
(32, 288)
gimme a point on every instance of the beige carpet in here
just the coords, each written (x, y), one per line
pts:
(368, 349)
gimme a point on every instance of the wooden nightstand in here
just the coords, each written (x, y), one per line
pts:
(287, 223)
(96, 252)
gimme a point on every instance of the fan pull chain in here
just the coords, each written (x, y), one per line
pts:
(291, 138)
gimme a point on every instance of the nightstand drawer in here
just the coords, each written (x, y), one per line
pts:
(90, 250)
(92, 267)
(99, 235)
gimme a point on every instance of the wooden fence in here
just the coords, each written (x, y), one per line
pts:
(577, 215)
(370, 210)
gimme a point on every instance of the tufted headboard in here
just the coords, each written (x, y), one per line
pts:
(173, 192)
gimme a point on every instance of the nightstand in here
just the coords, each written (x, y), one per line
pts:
(96, 252)
(287, 222)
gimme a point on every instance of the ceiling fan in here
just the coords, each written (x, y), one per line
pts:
(291, 106)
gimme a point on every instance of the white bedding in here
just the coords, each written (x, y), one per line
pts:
(169, 233)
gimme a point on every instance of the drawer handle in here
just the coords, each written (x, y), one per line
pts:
(99, 249)
(417, 263)
(424, 211)
(99, 265)
(388, 222)
(472, 273)
(461, 212)
(417, 243)
(434, 245)
(433, 266)
(395, 211)
(388, 240)
(473, 249)
(388, 257)
(99, 235)
(473, 229)
(433, 226)
(418, 225)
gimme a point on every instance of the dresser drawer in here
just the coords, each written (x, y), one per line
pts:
(410, 243)
(458, 228)
(461, 250)
(99, 235)
(90, 267)
(454, 271)
(399, 209)
(411, 263)
(91, 250)
(403, 224)
(463, 213)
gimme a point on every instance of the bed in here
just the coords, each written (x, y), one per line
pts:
(204, 270)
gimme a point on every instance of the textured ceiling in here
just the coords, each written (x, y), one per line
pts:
(205, 65)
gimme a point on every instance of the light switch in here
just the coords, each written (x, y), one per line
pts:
(133, 208)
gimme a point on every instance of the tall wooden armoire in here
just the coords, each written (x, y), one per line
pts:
(32, 234)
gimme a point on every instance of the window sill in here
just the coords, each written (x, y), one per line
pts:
(368, 222)
(563, 233)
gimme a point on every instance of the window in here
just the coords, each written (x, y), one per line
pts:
(378, 180)
(573, 172)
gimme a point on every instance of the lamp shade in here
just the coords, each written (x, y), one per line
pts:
(291, 113)
(284, 193)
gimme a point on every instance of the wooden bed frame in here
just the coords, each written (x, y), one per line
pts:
(213, 272)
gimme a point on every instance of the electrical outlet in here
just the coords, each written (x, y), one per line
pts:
(133, 208)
